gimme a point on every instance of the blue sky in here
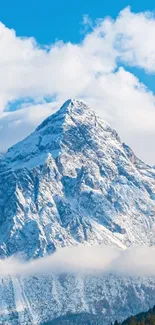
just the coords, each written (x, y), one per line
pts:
(48, 20)
(111, 66)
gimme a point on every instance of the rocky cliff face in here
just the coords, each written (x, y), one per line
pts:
(73, 181)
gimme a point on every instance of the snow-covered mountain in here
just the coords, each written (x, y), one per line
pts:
(73, 181)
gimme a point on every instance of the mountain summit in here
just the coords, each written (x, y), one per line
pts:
(51, 136)
(73, 181)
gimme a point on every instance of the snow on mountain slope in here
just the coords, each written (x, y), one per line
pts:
(73, 181)
(33, 301)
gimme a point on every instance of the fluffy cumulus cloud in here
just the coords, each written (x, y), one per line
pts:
(84, 260)
(16, 125)
(93, 70)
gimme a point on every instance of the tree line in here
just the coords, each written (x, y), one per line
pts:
(146, 318)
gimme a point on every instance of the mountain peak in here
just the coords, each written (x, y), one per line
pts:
(69, 108)
(52, 134)
(74, 105)
(72, 129)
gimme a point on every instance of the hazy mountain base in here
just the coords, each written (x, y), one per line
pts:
(37, 300)
(82, 319)
(145, 318)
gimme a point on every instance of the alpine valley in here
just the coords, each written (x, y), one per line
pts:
(73, 181)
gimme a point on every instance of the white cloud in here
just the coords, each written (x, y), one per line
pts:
(87, 71)
(135, 33)
(14, 126)
(98, 260)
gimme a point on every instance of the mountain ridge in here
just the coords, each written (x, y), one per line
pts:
(55, 125)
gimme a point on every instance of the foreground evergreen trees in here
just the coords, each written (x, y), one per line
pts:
(147, 318)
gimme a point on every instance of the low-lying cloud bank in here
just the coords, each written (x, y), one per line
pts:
(98, 260)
